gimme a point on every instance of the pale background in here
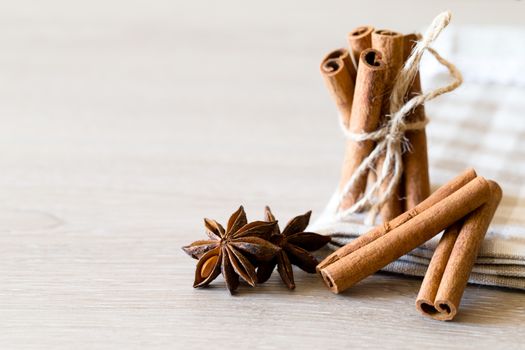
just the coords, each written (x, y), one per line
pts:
(124, 123)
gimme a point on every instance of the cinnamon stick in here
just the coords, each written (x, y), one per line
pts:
(370, 258)
(359, 40)
(416, 181)
(391, 44)
(452, 262)
(339, 75)
(366, 109)
(444, 191)
(438, 263)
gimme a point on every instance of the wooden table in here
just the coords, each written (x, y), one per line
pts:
(124, 124)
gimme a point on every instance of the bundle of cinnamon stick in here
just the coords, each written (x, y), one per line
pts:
(360, 81)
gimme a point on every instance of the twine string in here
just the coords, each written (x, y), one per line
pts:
(390, 138)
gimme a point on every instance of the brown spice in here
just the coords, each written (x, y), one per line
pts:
(359, 40)
(295, 245)
(452, 262)
(440, 194)
(232, 251)
(370, 258)
(391, 44)
(416, 180)
(366, 111)
(339, 75)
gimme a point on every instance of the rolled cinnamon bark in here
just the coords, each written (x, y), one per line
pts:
(366, 109)
(367, 260)
(416, 181)
(339, 75)
(440, 194)
(438, 263)
(452, 262)
(391, 44)
(359, 40)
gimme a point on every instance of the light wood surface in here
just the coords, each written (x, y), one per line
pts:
(124, 123)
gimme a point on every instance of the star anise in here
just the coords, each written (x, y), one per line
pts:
(296, 246)
(233, 251)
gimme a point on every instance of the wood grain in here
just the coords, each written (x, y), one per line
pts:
(123, 124)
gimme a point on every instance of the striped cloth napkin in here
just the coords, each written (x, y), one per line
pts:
(480, 125)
